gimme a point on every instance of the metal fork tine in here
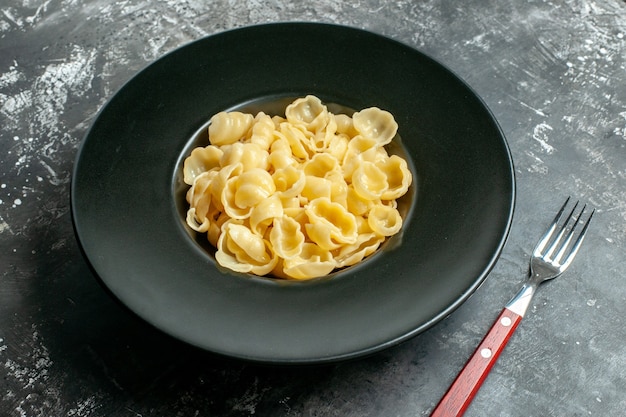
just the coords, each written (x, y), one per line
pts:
(569, 236)
(561, 233)
(578, 242)
(546, 237)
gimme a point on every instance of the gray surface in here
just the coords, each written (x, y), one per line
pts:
(554, 75)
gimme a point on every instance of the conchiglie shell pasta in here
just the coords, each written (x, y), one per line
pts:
(338, 188)
(253, 187)
(338, 146)
(227, 198)
(377, 124)
(229, 127)
(219, 182)
(344, 124)
(286, 237)
(323, 137)
(289, 181)
(366, 244)
(215, 228)
(369, 181)
(309, 112)
(359, 149)
(200, 199)
(262, 132)
(296, 196)
(281, 159)
(249, 155)
(241, 250)
(196, 222)
(316, 187)
(245, 191)
(384, 220)
(321, 235)
(398, 177)
(321, 165)
(201, 160)
(262, 215)
(297, 139)
(356, 204)
(310, 263)
(330, 223)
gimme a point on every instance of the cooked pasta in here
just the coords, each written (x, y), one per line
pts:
(299, 196)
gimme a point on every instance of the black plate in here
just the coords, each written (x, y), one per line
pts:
(126, 195)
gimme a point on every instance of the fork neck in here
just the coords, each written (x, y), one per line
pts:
(520, 302)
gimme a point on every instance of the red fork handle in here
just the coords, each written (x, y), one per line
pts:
(467, 383)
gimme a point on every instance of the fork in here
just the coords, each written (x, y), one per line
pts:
(550, 258)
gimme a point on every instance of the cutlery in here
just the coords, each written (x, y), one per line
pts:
(551, 257)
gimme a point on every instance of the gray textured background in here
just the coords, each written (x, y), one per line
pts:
(552, 72)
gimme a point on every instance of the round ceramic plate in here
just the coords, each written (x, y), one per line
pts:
(128, 197)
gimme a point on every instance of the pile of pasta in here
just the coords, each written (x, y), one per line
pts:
(298, 196)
